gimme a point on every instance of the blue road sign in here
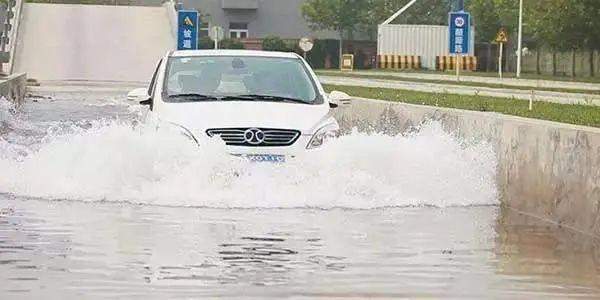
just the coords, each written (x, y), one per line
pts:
(459, 24)
(187, 30)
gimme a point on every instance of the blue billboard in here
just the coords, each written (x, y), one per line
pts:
(459, 24)
(187, 30)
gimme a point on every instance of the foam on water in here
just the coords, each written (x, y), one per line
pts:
(119, 161)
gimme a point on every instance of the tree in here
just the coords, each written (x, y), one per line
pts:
(485, 19)
(342, 16)
(380, 10)
(592, 11)
(429, 12)
(490, 15)
(560, 24)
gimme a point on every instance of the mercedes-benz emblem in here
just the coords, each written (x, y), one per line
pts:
(254, 136)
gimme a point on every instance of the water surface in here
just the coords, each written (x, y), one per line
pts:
(94, 203)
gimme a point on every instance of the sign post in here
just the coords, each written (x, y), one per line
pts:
(187, 30)
(500, 60)
(306, 44)
(459, 26)
(217, 34)
(501, 38)
(458, 59)
(347, 62)
(520, 42)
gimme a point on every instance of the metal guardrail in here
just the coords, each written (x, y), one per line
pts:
(9, 37)
(13, 86)
(14, 34)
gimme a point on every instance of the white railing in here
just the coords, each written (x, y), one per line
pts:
(14, 35)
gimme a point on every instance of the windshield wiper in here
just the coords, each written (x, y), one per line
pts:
(249, 97)
(192, 97)
(273, 98)
(238, 97)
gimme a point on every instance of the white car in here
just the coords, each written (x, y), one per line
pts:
(264, 105)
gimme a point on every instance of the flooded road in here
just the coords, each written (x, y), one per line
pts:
(95, 203)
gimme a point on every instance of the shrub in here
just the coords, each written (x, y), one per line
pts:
(206, 43)
(231, 44)
(274, 43)
(317, 56)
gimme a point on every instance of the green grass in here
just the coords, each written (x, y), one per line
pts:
(565, 113)
(461, 83)
(586, 79)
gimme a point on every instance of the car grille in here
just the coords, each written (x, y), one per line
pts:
(272, 137)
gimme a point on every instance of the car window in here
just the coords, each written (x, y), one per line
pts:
(154, 77)
(222, 76)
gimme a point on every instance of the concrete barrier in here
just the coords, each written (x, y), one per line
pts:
(13, 88)
(545, 169)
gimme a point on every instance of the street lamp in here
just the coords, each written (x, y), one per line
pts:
(520, 42)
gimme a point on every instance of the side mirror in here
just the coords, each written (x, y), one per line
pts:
(139, 95)
(337, 98)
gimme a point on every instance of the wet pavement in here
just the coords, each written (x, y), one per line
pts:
(386, 234)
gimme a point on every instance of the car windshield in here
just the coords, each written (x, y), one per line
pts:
(245, 78)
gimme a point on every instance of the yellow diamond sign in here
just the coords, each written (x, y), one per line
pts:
(502, 36)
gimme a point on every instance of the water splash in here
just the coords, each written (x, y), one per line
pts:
(124, 161)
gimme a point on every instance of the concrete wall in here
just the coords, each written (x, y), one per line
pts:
(546, 169)
(564, 62)
(92, 42)
(13, 88)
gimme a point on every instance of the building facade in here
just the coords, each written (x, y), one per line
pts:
(255, 19)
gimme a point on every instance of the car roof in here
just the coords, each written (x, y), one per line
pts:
(188, 53)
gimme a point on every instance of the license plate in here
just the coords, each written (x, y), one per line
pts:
(266, 158)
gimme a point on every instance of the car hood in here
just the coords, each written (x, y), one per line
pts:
(199, 116)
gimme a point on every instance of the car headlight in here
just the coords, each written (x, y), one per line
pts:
(322, 135)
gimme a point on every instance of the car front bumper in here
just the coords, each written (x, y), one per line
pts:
(295, 149)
